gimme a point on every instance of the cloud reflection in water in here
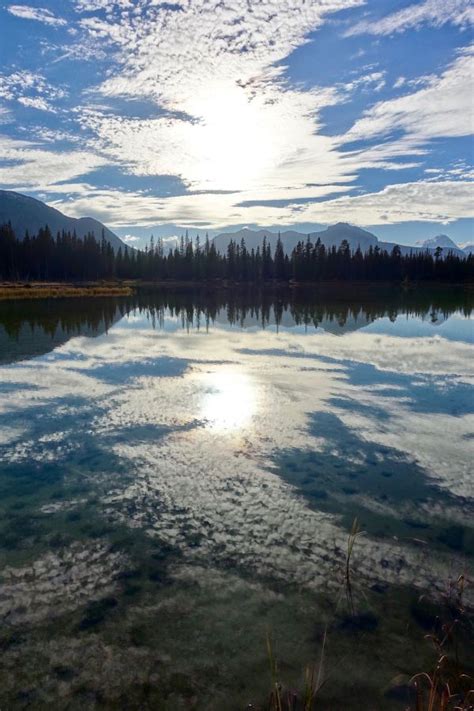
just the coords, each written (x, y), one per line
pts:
(199, 421)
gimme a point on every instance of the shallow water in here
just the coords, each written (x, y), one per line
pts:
(179, 475)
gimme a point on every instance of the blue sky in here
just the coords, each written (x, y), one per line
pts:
(210, 115)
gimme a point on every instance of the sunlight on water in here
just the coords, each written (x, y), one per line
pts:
(230, 400)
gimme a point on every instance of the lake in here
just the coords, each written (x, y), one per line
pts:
(180, 474)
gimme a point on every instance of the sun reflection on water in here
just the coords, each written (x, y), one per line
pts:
(230, 400)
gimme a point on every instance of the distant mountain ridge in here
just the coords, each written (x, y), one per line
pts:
(28, 214)
(443, 241)
(330, 237)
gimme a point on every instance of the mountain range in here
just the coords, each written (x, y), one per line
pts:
(333, 236)
(26, 214)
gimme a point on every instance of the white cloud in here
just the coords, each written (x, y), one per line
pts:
(227, 120)
(130, 238)
(266, 142)
(29, 166)
(179, 484)
(30, 89)
(443, 108)
(35, 103)
(442, 201)
(374, 81)
(235, 123)
(460, 170)
(177, 56)
(40, 14)
(5, 115)
(431, 12)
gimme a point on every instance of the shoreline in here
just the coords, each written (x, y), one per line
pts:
(56, 290)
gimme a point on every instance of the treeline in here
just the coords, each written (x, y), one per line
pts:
(65, 257)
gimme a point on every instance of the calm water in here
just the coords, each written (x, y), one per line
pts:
(179, 474)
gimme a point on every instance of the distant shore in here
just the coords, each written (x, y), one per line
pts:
(56, 290)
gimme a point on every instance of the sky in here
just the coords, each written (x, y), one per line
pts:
(210, 115)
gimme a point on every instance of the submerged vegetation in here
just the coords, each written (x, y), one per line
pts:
(447, 685)
(44, 257)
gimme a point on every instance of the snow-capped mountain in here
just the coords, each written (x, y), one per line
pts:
(443, 241)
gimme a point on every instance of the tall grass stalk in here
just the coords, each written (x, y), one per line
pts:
(355, 531)
(275, 699)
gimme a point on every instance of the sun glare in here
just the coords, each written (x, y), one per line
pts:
(234, 143)
(229, 401)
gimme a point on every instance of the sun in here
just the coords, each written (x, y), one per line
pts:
(232, 139)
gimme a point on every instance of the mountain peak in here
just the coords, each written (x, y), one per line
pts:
(442, 241)
(27, 214)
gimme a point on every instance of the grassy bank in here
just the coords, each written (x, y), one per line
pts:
(53, 290)
(56, 290)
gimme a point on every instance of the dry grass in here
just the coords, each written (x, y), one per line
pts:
(282, 699)
(447, 687)
(56, 291)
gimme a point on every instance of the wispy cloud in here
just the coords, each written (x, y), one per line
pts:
(30, 89)
(425, 201)
(199, 92)
(233, 121)
(39, 14)
(374, 81)
(444, 201)
(30, 167)
(431, 12)
(5, 115)
(35, 103)
(442, 108)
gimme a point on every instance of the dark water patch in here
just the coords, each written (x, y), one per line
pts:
(376, 412)
(357, 623)
(426, 614)
(64, 673)
(351, 477)
(70, 415)
(123, 373)
(96, 612)
(453, 537)
(14, 387)
(424, 394)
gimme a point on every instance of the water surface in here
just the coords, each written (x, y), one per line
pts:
(179, 474)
